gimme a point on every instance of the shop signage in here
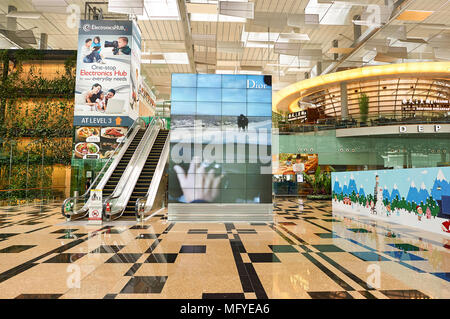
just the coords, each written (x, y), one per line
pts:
(425, 105)
(419, 128)
(300, 115)
(395, 130)
(255, 84)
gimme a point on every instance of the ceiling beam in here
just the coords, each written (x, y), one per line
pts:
(187, 34)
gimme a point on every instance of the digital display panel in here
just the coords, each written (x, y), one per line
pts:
(221, 139)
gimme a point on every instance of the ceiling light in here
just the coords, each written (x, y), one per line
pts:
(300, 20)
(158, 61)
(24, 15)
(258, 45)
(331, 14)
(250, 72)
(160, 10)
(259, 36)
(295, 36)
(237, 9)
(53, 6)
(224, 72)
(206, 17)
(126, 6)
(176, 58)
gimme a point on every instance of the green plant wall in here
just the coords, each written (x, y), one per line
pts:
(35, 123)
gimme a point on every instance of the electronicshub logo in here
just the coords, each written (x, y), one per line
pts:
(92, 27)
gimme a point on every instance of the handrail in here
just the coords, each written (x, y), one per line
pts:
(72, 200)
(107, 214)
(145, 203)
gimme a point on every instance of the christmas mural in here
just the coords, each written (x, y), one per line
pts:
(417, 197)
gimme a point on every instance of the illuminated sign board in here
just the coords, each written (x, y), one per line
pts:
(300, 115)
(425, 105)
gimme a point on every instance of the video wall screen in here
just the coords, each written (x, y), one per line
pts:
(221, 131)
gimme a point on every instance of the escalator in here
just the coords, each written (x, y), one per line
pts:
(145, 178)
(77, 207)
(122, 165)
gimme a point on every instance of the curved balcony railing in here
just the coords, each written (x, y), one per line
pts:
(334, 124)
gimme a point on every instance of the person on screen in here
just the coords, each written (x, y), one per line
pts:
(97, 46)
(89, 55)
(91, 96)
(288, 162)
(101, 102)
(109, 95)
(206, 183)
(298, 167)
(122, 47)
(242, 122)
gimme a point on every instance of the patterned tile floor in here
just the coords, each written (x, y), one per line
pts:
(308, 252)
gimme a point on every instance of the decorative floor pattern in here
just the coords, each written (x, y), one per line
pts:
(308, 252)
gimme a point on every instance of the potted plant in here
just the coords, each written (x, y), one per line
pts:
(363, 101)
(321, 184)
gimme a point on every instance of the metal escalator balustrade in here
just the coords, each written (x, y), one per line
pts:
(115, 203)
(145, 178)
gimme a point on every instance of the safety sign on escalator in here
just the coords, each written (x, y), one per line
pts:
(95, 206)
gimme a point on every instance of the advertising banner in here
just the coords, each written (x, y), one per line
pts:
(221, 139)
(417, 197)
(107, 85)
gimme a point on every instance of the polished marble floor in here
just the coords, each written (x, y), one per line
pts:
(308, 252)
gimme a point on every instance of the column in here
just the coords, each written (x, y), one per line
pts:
(335, 45)
(344, 101)
(43, 41)
(11, 23)
(356, 28)
(319, 68)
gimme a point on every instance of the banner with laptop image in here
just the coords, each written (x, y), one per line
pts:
(104, 84)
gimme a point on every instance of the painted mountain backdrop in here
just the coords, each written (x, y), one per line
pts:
(414, 187)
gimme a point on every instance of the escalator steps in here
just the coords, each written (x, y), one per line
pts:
(121, 166)
(144, 180)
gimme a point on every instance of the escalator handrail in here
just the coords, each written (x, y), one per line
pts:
(151, 126)
(146, 202)
(86, 195)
